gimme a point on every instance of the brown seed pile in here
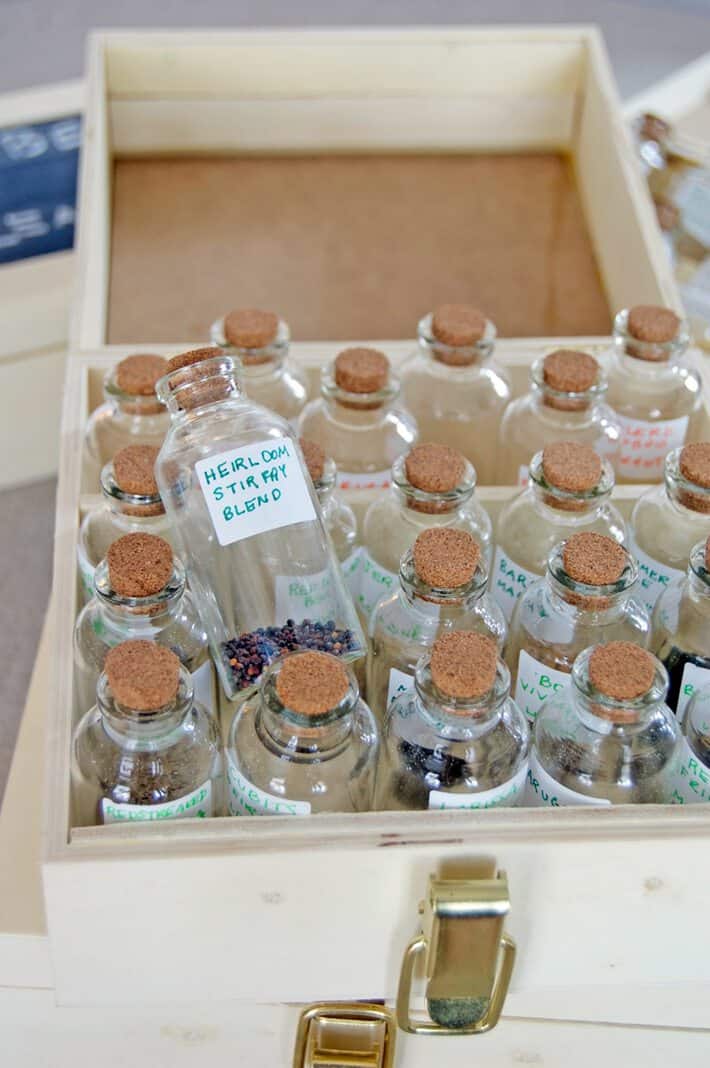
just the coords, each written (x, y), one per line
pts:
(463, 664)
(139, 565)
(315, 458)
(311, 683)
(143, 676)
(445, 558)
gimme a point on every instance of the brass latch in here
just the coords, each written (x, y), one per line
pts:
(342, 1034)
(467, 957)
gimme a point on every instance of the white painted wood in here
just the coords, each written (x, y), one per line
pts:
(676, 96)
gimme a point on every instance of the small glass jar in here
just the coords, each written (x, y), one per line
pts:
(457, 740)
(236, 487)
(565, 403)
(653, 392)
(357, 420)
(140, 593)
(681, 630)
(432, 486)
(585, 598)
(570, 490)
(147, 751)
(691, 774)
(442, 587)
(131, 414)
(453, 387)
(260, 340)
(338, 516)
(305, 743)
(669, 519)
(132, 503)
(608, 738)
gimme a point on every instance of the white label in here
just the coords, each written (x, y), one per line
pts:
(654, 577)
(544, 791)
(373, 583)
(536, 682)
(305, 597)
(694, 678)
(644, 446)
(245, 799)
(197, 805)
(400, 682)
(202, 681)
(508, 581)
(690, 778)
(523, 475)
(255, 488)
(362, 480)
(508, 793)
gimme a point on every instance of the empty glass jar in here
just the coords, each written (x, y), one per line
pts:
(305, 743)
(691, 774)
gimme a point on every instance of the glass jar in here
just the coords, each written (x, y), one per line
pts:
(457, 740)
(681, 630)
(356, 419)
(442, 587)
(305, 743)
(452, 385)
(569, 491)
(131, 414)
(585, 598)
(236, 488)
(669, 519)
(147, 750)
(608, 738)
(653, 392)
(565, 403)
(691, 774)
(131, 504)
(260, 341)
(338, 516)
(140, 593)
(433, 486)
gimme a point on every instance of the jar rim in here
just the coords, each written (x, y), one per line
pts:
(172, 590)
(483, 348)
(613, 708)
(273, 702)
(460, 493)
(537, 379)
(413, 585)
(600, 492)
(625, 582)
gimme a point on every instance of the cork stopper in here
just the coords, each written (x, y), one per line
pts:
(315, 458)
(361, 370)
(458, 325)
(694, 463)
(186, 359)
(593, 559)
(445, 558)
(570, 371)
(463, 664)
(137, 375)
(434, 468)
(653, 128)
(133, 470)
(139, 565)
(649, 322)
(706, 558)
(667, 214)
(143, 676)
(250, 328)
(621, 670)
(571, 467)
(311, 684)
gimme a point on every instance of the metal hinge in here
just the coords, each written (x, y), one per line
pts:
(342, 1034)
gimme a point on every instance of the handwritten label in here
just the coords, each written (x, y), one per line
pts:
(535, 683)
(399, 682)
(541, 790)
(305, 597)
(203, 683)
(508, 793)
(373, 583)
(351, 569)
(364, 480)
(508, 581)
(644, 445)
(254, 488)
(690, 778)
(246, 799)
(654, 577)
(694, 678)
(197, 805)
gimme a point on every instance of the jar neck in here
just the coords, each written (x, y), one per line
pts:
(303, 737)
(199, 387)
(451, 602)
(566, 506)
(141, 506)
(604, 714)
(647, 358)
(592, 604)
(133, 729)
(145, 613)
(464, 356)
(687, 496)
(567, 407)
(131, 404)
(459, 719)
(411, 498)
(263, 363)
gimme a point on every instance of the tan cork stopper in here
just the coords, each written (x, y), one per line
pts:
(314, 456)
(594, 559)
(569, 371)
(621, 670)
(139, 565)
(653, 128)
(458, 325)
(649, 322)
(186, 359)
(706, 558)
(434, 468)
(571, 467)
(137, 375)
(445, 558)
(250, 328)
(667, 214)
(134, 470)
(694, 463)
(142, 675)
(463, 664)
(311, 683)
(361, 370)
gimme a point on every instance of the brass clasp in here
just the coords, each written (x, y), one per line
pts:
(342, 1034)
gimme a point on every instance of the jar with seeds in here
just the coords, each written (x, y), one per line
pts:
(338, 516)
(691, 775)
(147, 751)
(442, 587)
(305, 743)
(609, 738)
(457, 740)
(586, 597)
(358, 419)
(140, 593)
(569, 492)
(260, 341)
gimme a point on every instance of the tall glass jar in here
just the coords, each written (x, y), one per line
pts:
(565, 403)
(338, 516)
(357, 419)
(569, 491)
(132, 503)
(681, 630)
(442, 587)
(432, 486)
(454, 388)
(260, 341)
(457, 740)
(131, 414)
(669, 519)
(653, 392)
(237, 490)
(305, 743)
(585, 598)
(608, 738)
(691, 774)
(147, 751)
(140, 593)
